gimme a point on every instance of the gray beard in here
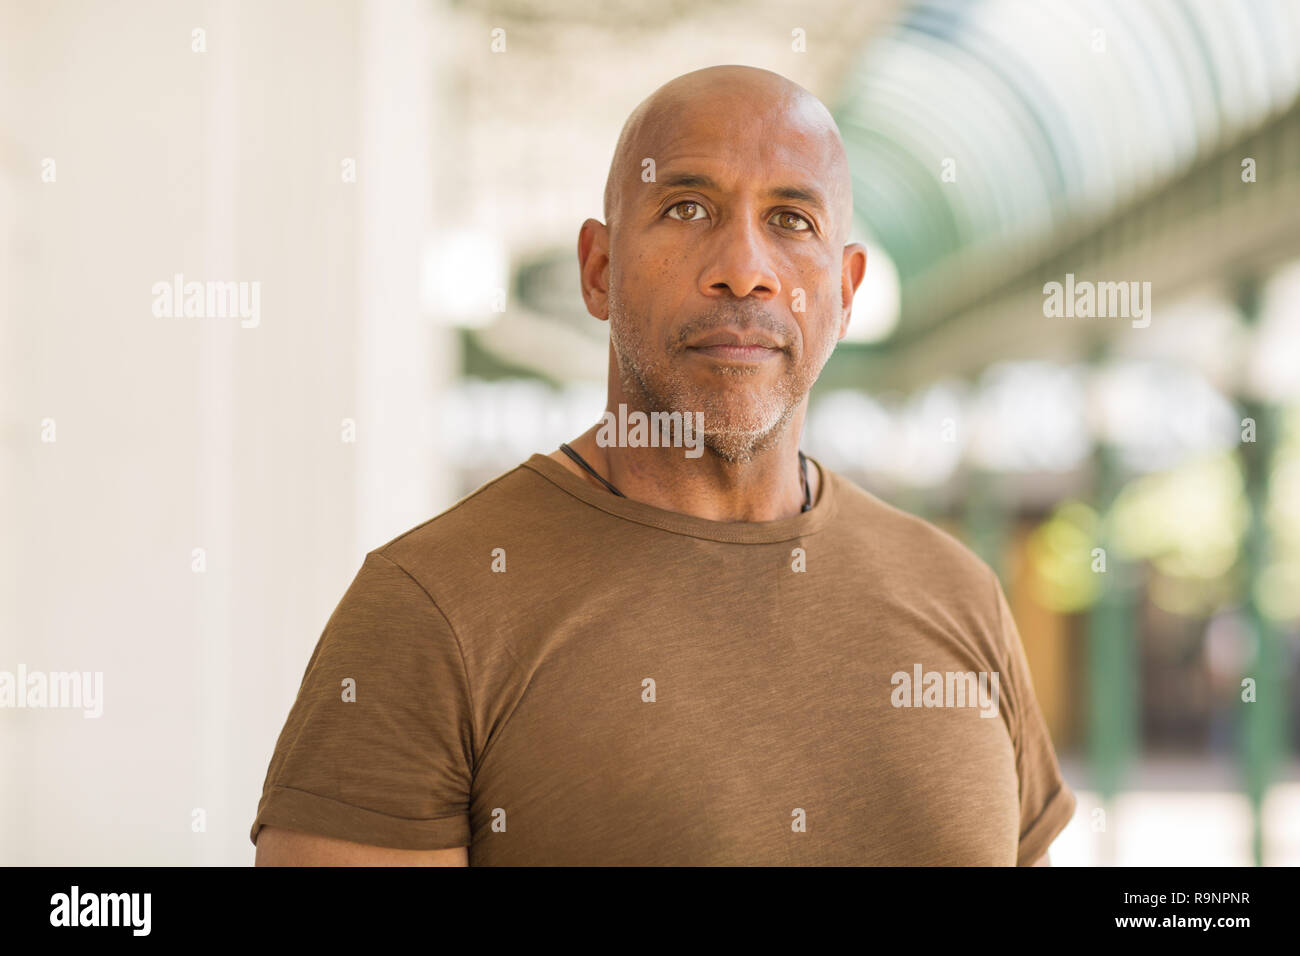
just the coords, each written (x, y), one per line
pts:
(732, 442)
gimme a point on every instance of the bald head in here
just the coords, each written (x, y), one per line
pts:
(716, 98)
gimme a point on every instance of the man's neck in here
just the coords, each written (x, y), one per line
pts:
(764, 489)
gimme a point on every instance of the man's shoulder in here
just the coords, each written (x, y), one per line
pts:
(496, 510)
(906, 538)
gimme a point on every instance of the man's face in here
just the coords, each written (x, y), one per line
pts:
(725, 275)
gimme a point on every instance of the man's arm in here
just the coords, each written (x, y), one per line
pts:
(396, 769)
(1044, 860)
(277, 846)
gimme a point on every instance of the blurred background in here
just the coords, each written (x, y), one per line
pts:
(186, 497)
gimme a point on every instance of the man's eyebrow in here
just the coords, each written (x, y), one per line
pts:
(688, 180)
(698, 181)
(798, 194)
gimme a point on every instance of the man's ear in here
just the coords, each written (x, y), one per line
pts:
(593, 267)
(851, 274)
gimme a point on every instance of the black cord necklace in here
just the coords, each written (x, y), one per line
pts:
(581, 462)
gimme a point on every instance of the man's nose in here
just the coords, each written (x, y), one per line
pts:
(741, 262)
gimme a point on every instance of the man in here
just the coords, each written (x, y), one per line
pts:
(626, 653)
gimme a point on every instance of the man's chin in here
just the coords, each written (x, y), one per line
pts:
(740, 438)
(738, 407)
(740, 447)
(738, 420)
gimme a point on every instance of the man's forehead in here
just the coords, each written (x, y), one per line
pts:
(719, 129)
(739, 153)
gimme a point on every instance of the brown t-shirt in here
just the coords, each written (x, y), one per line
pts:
(552, 674)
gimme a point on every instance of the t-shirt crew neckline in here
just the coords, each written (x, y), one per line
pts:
(732, 532)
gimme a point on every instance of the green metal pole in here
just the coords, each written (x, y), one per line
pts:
(1263, 719)
(987, 520)
(1112, 648)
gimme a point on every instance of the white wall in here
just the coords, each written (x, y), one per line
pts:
(182, 433)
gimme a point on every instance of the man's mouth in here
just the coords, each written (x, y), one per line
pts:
(737, 353)
(733, 345)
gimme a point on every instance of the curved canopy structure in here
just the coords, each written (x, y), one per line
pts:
(970, 122)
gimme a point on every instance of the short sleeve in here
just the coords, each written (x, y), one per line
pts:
(1046, 803)
(378, 746)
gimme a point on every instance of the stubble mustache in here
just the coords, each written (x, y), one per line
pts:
(742, 318)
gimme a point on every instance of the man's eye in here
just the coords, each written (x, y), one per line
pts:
(786, 217)
(686, 204)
